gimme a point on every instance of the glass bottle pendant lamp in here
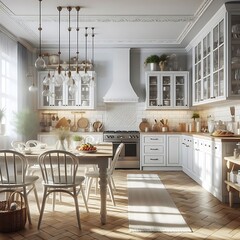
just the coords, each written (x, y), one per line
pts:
(40, 63)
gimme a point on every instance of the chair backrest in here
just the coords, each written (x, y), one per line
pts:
(58, 167)
(115, 158)
(18, 145)
(13, 167)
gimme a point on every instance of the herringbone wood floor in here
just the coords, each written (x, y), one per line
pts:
(208, 218)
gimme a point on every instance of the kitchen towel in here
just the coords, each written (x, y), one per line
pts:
(150, 207)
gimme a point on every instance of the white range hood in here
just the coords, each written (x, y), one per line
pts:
(121, 89)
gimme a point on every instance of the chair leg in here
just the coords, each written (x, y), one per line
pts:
(111, 192)
(27, 205)
(75, 196)
(89, 187)
(84, 197)
(53, 201)
(36, 197)
(113, 183)
(43, 206)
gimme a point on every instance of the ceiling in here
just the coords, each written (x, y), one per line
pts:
(132, 23)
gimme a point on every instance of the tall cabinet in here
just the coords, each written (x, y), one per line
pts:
(216, 57)
(167, 90)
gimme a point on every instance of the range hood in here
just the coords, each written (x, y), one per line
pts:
(121, 89)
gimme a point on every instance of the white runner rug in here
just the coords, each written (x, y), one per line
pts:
(150, 207)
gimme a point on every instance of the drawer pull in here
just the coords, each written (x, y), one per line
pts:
(154, 149)
(154, 139)
(154, 159)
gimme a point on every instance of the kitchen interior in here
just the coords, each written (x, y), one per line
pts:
(124, 99)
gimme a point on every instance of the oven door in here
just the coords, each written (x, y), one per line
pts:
(130, 155)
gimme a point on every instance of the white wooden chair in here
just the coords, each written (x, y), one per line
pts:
(61, 178)
(13, 168)
(90, 175)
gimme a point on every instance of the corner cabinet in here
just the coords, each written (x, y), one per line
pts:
(167, 90)
(216, 58)
(53, 96)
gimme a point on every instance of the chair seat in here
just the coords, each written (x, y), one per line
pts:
(61, 184)
(28, 181)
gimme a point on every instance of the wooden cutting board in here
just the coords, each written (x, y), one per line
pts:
(82, 122)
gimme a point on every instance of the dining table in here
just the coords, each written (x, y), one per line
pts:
(100, 157)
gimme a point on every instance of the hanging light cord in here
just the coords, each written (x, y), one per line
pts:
(78, 9)
(93, 48)
(40, 28)
(69, 39)
(59, 39)
(86, 35)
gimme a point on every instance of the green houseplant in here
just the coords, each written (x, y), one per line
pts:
(195, 115)
(77, 141)
(26, 123)
(152, 61)
(2, 114)
(2, 126)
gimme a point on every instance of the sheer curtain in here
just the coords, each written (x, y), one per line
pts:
(15, 62)
(8, 80)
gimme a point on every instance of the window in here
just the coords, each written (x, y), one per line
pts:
(8, 78)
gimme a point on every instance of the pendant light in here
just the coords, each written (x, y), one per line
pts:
(59, 78)
(40, 63)
(77, 76)
(33, 87)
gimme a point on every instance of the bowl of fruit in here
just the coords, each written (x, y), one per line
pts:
(87, 147)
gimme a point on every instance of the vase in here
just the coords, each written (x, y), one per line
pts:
(162, 65)
(153, 66)
(60, 145)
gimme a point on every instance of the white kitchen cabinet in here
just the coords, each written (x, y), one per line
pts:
(173, 150)
(187, 154)
(167, 90)
(216, 58)
(53, 96)
(153, 150)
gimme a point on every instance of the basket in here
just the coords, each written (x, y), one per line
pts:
(12, 220)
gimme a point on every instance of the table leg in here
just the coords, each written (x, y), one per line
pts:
(103, 193)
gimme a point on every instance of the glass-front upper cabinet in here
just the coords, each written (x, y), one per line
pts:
(218, 60)
(167, 90)
(79, 95)
(234, 49)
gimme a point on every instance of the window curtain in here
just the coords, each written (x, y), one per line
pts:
(8, 80)
(16, 65)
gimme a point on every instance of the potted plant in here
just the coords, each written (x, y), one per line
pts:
(76, 140)
(2, 126)
(26, 123)
(163, 61)
(195, 115)
(153, 61)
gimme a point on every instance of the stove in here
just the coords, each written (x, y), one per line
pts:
(130, 155)
(121, 136)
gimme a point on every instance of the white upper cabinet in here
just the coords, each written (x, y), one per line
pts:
(216, 58)
(167, 90)
(54, 96)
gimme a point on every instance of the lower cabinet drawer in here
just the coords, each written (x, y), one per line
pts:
(158, 149)
(154, 160)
